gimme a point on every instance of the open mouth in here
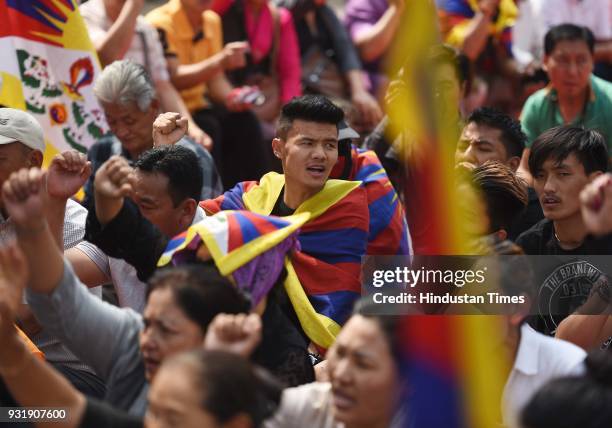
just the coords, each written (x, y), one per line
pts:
(316, 169)
(343, 401)
(150, 364)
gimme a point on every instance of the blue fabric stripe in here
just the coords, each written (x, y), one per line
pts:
(335, 246)
(247, 228)
(232, 199)
(337, 305)
(381, 213)
(367, 170)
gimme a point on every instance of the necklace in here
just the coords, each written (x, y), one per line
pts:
(568, 244)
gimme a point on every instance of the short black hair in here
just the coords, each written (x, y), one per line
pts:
(446, 54)
(568, 32)
(558, 143)
(180, 165)
(230, 385)
(512, 135)
(504, 193)
(200, 291)
(574, 401)
(311, 108)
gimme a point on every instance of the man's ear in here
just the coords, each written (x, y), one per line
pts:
(189, 207)
(513, 163)
(35, 158)
(545, 63)
(277, 147)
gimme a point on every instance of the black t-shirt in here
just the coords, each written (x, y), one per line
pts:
(531, 215)
(101, 415)
(565, 277)
(540, 240)
(280, 208)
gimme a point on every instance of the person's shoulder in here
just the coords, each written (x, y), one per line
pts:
(537, 99)
(211, 17)
(559, 355)
(162, 16)
(602, 88)
(530, 239)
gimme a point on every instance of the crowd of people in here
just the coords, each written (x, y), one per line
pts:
(257, 151)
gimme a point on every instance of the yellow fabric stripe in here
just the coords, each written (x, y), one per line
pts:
(262, 198)
(320, 329)
(227, 263)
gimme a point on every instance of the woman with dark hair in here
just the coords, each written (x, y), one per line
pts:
(364, 387)
(190, 390)
(575, 401)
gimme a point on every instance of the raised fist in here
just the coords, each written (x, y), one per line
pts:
(67, 173)
(169, 128)
(114, 178)
(24, 198)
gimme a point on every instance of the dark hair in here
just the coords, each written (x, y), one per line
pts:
(558, 143)
(180, 165)
(512, 135)
(231, 385)
(446, 54)
(568, 32)
(504, 194)
(389, 325)
(200, 291)
(311, 108)
(574, 401)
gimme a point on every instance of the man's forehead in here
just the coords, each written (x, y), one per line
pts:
(569, 47)
(477, 131)
(314, 130)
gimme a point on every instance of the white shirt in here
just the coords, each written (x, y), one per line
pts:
(131, 292)
(539, 359)
(536, 17)
(98, 24)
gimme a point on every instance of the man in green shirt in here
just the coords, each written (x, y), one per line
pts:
(574, 96)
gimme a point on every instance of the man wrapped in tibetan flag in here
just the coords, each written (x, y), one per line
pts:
(323, 278)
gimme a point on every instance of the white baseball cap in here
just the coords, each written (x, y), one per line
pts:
(19, 126)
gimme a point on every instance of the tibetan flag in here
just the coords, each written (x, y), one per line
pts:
(452, 366)
(323, 278)
(48, 68)
(388, 233)
(249, 247)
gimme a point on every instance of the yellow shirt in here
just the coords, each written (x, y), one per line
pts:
(190, 46)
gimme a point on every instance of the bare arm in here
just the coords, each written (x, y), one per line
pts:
(24, 199)
(477, 35)
(112, 184)
(88, 272)
(374, 42)
(185, 76)
(119, 37)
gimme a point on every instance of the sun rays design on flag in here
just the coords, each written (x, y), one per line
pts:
(55, 22)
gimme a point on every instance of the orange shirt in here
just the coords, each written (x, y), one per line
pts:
(181, 40)
(31, 347)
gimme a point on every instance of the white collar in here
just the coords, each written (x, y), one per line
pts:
(526, 360)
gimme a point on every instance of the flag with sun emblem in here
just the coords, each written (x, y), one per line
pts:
(48, 68)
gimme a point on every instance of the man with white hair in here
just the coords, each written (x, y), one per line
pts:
(22, 145)
(131, 105)
(118, 31)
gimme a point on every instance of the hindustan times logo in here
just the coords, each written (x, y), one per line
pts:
(410, 277)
